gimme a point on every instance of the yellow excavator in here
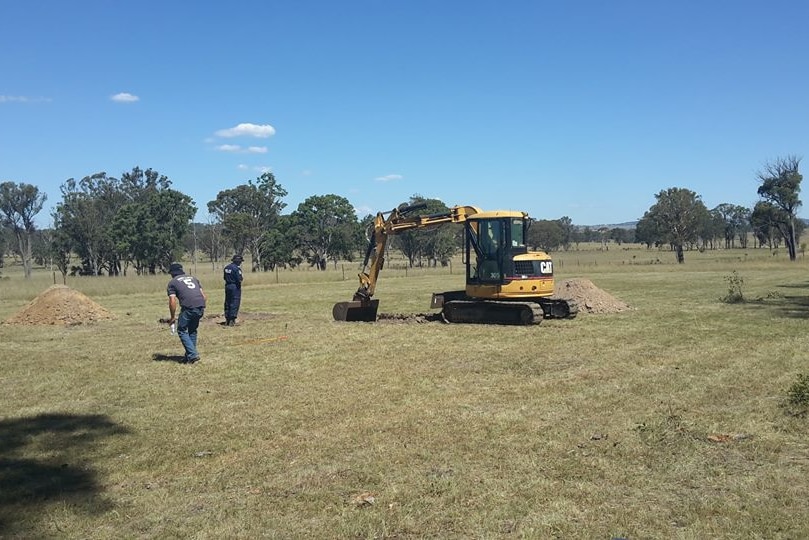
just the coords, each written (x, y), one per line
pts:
(505, 283)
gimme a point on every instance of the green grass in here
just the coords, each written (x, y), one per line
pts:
(598, 427)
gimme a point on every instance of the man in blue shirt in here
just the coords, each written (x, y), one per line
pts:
(186, 291)
(233, 289)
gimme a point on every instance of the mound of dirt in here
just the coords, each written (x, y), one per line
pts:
(60, 305)
(590, 298)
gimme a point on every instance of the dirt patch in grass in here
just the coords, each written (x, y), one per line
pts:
(589, 298)
(219, 318)
(405, 318)
(60, 305)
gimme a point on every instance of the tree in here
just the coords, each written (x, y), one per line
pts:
(325, 228)
(545, 234)
(436, 244)
(646, 231)
(247, 212)
(61, 250)
(111, 223)
(85, 213)
(278, 245)
(677, 216)
(619, 235)
(19, 204)
(151, 230)
(566, 224)
(732, 222)
(211, 240)
(781, 185)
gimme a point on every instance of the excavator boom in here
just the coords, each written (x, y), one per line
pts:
(362, 307)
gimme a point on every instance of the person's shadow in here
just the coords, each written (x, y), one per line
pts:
(43, 460)
(160, 357)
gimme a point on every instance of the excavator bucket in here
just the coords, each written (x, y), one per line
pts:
(356, 310)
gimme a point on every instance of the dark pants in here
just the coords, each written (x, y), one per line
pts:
(233, 298)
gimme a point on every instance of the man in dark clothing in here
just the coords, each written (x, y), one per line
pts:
(233, 289)
(186, 291)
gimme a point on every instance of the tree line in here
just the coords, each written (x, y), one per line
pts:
(105, 225)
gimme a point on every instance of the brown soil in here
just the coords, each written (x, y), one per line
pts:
(60, 305)
(401, 318)
(589, 298)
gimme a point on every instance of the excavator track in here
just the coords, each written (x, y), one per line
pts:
(558, 308)
(492, 312)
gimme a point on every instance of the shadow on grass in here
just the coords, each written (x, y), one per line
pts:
(793, 306)
(160, 357)
(42, 461)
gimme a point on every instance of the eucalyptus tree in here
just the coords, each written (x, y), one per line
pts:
(546, 234)
(211, 240)
(435, 244)
(646, 232)
(19, 205)
(278, 246)
(150, 231)
(111, 223)
(781, 186)
(247, 211)
(678, 215)
(568, 229)
(325, 228)
(85, 213)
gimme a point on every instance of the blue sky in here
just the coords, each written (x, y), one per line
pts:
(584, 109)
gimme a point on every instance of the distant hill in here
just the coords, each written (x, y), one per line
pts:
(633, 224)
(624, 225)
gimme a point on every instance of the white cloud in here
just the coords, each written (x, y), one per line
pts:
(389, 178)
(23, 99)
(229, 148)
(242, 167)
(124, 97)
(237, 149)
(261, 131)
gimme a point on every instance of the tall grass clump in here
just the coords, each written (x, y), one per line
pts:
(797, 402)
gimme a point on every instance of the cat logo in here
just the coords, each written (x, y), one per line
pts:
(546, 267)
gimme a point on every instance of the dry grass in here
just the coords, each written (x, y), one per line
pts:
(661, 422)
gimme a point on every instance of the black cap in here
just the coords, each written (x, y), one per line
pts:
(237, 258)
(176, 269)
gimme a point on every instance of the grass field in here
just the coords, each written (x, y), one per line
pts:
(666, 421)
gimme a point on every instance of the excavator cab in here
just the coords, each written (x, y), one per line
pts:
(489, 246)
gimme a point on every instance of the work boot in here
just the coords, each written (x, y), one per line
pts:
(231, 322)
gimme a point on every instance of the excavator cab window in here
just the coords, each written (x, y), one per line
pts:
(491, 239)
(517, 233)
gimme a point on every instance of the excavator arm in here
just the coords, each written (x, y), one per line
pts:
(363, 307)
